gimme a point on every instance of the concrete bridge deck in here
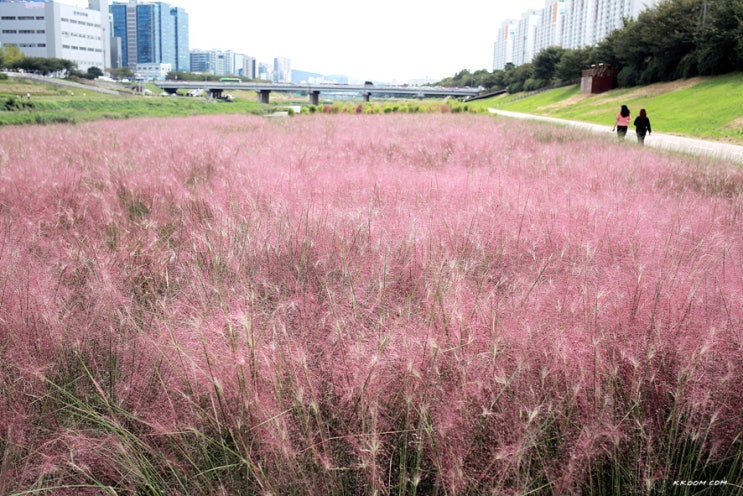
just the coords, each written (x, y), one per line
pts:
(215, 88)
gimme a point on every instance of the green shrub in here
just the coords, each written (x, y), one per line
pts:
(13, 103)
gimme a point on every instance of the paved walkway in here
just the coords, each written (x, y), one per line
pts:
(656, 140)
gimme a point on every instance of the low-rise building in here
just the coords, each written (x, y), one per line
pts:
(153, 71)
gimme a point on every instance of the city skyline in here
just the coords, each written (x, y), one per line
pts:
(395, 42)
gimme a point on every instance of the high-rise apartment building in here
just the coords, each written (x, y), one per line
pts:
(570, 24)
(54, 30)
(549, 32)
(525, 41)
(151, 33)
(503, 52)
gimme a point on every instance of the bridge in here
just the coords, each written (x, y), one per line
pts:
(216, 88)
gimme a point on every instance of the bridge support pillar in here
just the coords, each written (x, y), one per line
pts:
(314, 98)
(263, 96)
(367, 97)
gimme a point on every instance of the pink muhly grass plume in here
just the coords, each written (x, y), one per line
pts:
(363, 303)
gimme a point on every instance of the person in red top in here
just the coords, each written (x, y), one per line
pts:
(622, 122)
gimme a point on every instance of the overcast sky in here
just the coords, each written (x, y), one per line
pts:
(381, 40)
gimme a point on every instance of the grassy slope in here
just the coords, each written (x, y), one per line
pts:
(59, 104)
(702, 107)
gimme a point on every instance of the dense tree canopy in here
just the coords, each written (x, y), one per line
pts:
(675, 39)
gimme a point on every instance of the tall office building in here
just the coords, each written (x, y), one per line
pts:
(182, 58)
(54, 30)
(282, 70)
(152, 33)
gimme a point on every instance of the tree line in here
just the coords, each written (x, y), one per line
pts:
(673, 40)
(12, 58)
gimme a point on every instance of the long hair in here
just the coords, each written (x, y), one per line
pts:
(643, 114)
(625, 111)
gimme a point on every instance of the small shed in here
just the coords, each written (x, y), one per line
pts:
(598, 79)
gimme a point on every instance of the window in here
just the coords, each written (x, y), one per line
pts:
(7, 18)
(10, 31)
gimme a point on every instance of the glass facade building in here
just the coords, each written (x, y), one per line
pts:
(182, 57)
(118, 13)
(152, 33)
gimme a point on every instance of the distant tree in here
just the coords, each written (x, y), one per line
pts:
(121, 73)
(479, 79)
(488, 81)
(605, 52)
(518, 76)
(545, 63)
(94, 72)
(720, 39)
(660, 44)
(573, 62)
(68, 65)
(10, 55)
(462, 78)
(45, 65)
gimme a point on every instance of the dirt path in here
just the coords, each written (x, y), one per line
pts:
(656, 140)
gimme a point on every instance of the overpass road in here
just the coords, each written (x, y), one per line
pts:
(216, 88)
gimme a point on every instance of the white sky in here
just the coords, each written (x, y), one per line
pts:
(381, 40)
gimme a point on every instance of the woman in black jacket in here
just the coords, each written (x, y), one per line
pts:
(642, 126)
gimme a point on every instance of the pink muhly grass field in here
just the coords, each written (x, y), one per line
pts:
(408, 304)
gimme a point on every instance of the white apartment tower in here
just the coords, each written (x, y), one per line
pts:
(587, 22)
(549, 32)
(578, 27)
(503, 50)
(570, 24)
(525, 43)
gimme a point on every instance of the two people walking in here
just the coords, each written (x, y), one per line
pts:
(641, 123)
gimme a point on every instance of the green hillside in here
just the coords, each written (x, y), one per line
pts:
(33, 102)
(710, 108)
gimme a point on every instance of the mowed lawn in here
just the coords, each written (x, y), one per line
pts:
(365, 304)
